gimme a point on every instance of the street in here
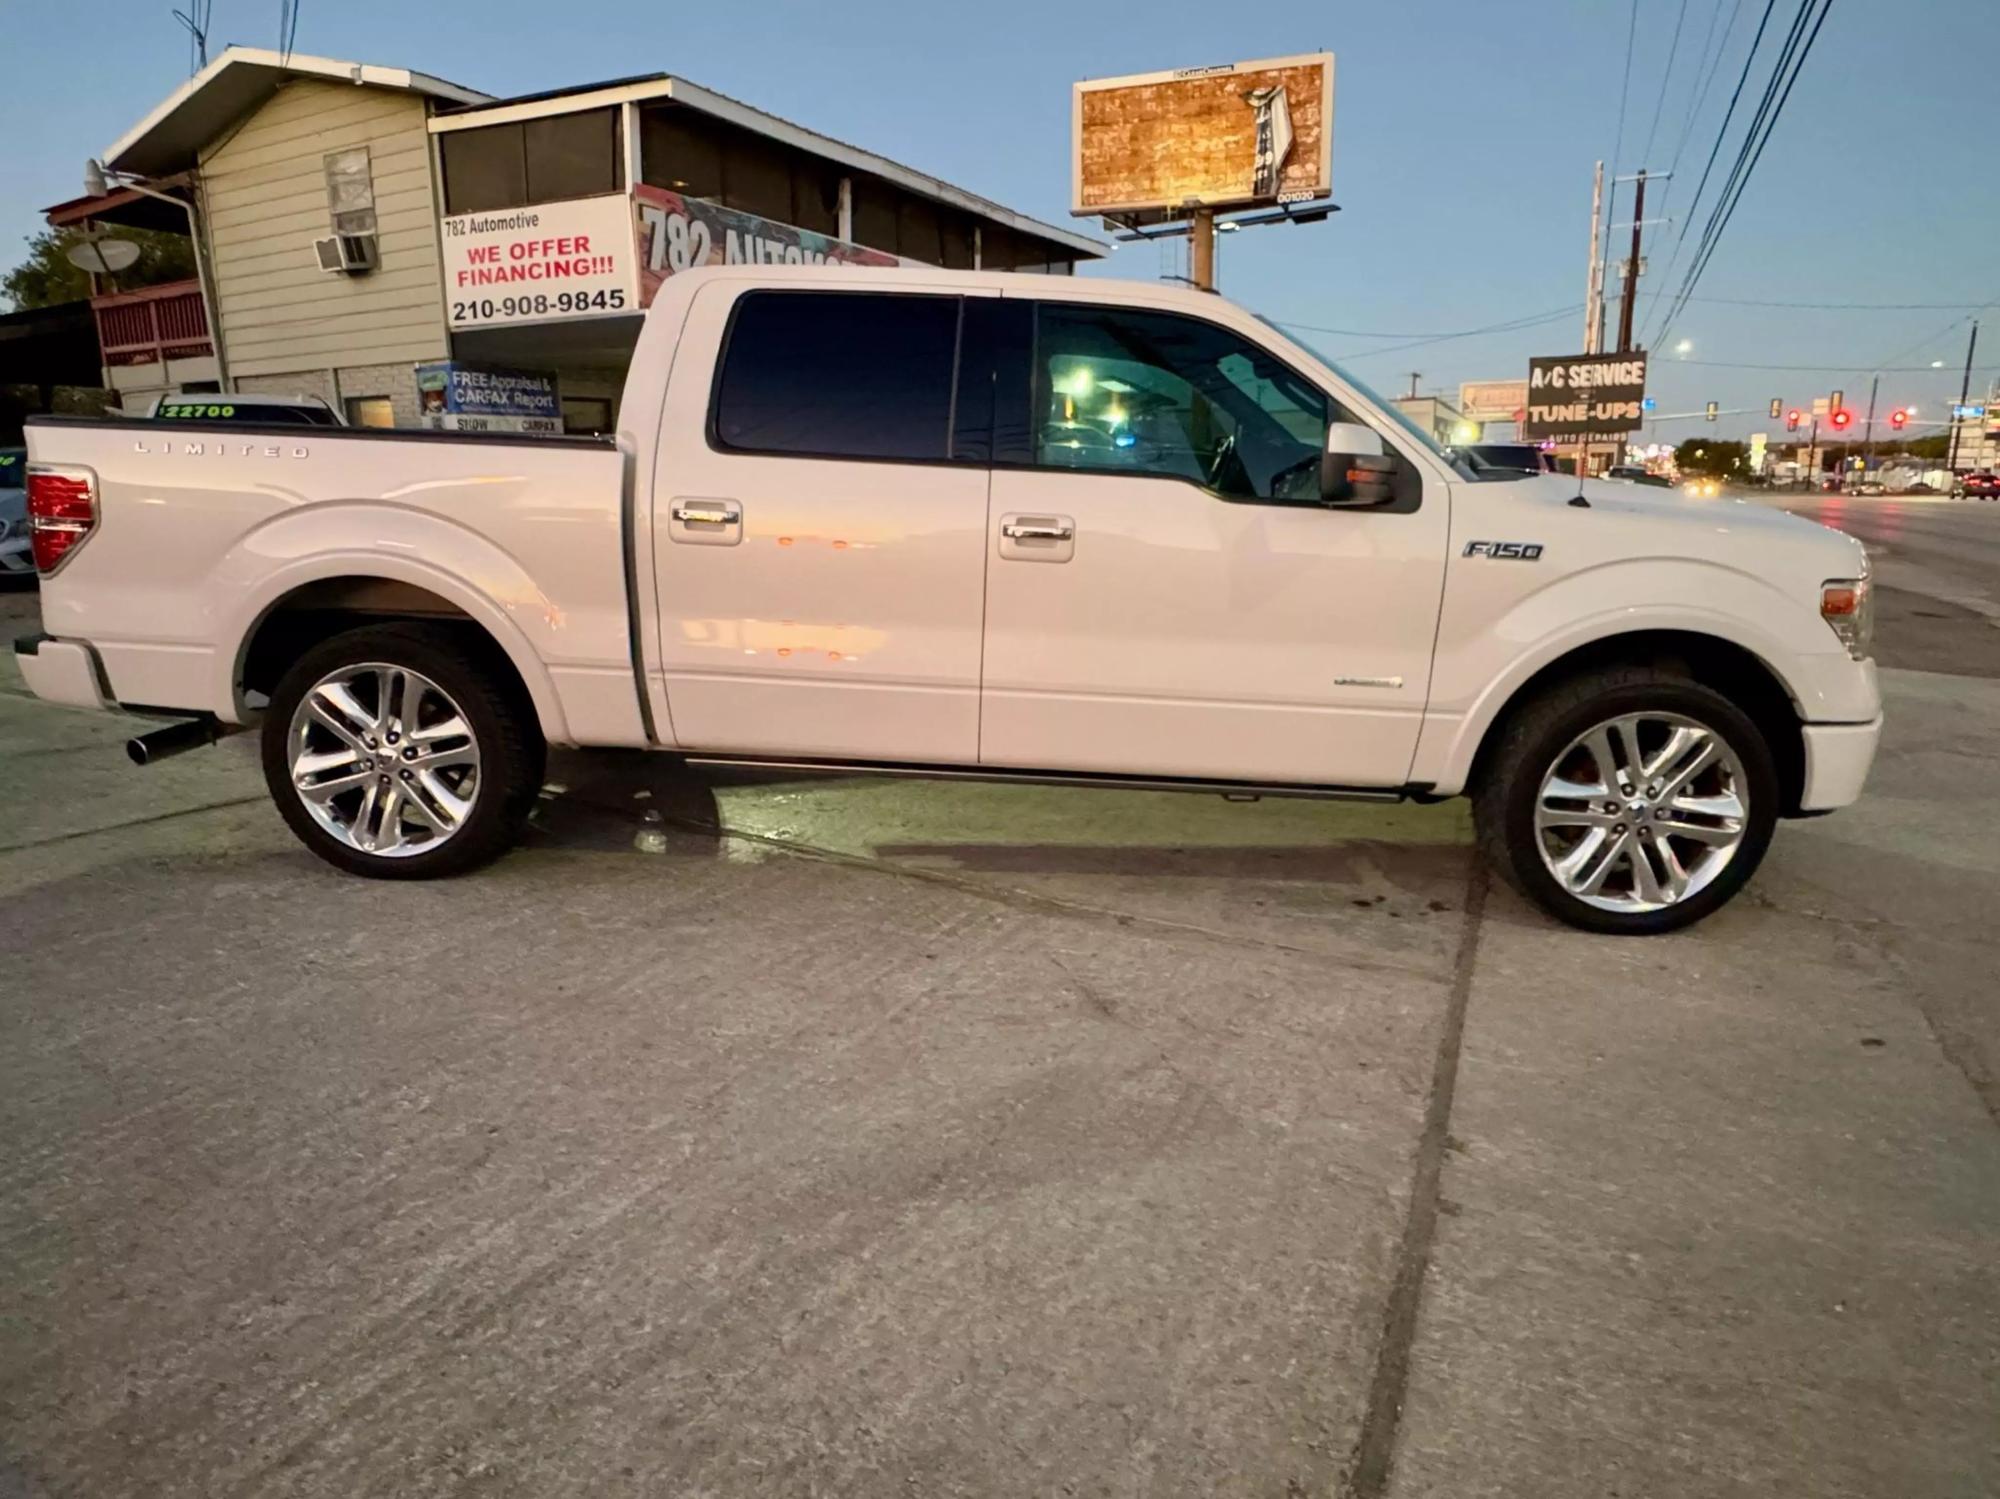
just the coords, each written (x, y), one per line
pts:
(748, 1135)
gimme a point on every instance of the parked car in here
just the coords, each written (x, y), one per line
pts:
(271, 411)
(1504, 458)
(1983, 485)
(1631, 473)
(16, 559)
(1151, 541)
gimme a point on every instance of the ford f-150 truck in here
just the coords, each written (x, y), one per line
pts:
(945, 523)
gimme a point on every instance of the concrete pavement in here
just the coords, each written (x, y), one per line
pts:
(861, 1137)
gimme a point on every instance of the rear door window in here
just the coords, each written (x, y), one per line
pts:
(838, 375)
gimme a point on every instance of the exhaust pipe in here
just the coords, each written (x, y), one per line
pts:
(174, 739)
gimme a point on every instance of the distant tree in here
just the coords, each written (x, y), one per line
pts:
(1936, 446)
(46, 277)
(1705, 455)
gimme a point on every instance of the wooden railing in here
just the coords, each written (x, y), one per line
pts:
(154, 324)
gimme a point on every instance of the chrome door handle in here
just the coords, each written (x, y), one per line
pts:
(705, 515)
(1014, 531)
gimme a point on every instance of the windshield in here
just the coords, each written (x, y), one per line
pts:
(1411, 429)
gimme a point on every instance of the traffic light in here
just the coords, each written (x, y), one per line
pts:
(1899, 418)
(1776, 406)
(1793, 418)
(1842, 419)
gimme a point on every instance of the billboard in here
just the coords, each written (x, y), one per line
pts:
(542, 263)
(1575, 396)
(1227, 136)
(480, 398)
(677, 233)
(1493, 400)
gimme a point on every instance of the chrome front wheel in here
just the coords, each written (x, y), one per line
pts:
(1642, 811)
(383, 760)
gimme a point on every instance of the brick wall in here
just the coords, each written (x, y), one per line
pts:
(396, 381)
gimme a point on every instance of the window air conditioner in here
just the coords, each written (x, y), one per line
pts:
(348, 254)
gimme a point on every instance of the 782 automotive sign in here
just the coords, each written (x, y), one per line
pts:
(1572, 396)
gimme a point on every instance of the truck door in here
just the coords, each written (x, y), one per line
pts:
(820, 553)
(1166, 593)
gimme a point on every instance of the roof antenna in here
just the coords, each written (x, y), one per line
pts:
(1577, 499)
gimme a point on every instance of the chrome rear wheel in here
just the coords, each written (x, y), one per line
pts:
(383, 760)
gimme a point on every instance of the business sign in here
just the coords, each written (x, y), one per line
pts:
(1577, 396)
(677, 234)
(1225, 136)
(1494, 400)
(479, 398)
(545, 262)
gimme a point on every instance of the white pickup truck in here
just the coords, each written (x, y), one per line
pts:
(934, 523)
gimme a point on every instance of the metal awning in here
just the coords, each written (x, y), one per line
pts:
(666, 87)
(170, 138)
(123, 206)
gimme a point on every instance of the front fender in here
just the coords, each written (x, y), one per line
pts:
(317, 542)
(1482, 664)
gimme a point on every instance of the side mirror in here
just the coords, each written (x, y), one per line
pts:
(1354, 470)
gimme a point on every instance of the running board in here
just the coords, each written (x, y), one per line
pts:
(999, 774)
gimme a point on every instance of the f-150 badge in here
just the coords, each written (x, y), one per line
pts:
(1505, 551)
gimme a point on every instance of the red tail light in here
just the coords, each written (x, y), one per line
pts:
(62, 512)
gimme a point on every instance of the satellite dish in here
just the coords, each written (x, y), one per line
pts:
(104, 257)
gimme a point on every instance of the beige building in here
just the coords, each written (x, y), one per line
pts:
(355, 223)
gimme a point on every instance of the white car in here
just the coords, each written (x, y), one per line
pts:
(938, 523)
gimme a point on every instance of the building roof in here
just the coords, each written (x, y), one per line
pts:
(242, 78)
(658, 87)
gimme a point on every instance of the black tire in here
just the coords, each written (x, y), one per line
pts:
(470, 670)
(1536, 731)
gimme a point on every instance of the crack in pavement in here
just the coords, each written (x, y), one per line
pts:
(136, 822)
(1375, 1449)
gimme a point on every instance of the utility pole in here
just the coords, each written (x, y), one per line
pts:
(1812, 456)
(1201, 254)
(1964, 393)
(1593, 284)
(1631, 298)
(1868, 427)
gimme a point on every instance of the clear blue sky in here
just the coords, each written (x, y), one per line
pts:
(1464, 138)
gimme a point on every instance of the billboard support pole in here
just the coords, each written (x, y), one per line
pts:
(1201, 255)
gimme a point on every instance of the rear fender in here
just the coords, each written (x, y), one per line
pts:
(404, 546)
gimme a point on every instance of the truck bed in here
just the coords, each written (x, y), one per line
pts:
(205, 529)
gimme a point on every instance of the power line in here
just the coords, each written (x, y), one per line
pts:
(1740, 180)
(1511, 325)
(1625, 87)
(1736, 95)
(1666, 80)
(1844, 306)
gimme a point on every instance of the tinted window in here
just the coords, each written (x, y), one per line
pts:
(572, 156)
(1124, 391)
(838, 375)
